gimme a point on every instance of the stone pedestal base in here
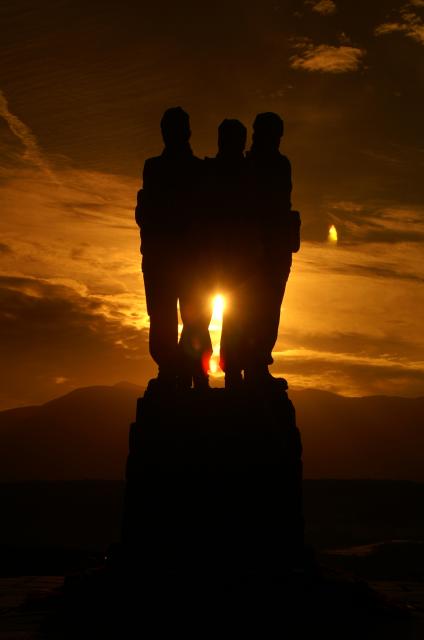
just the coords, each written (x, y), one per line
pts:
(214, 483)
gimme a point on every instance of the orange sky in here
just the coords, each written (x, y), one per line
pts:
(81, 98)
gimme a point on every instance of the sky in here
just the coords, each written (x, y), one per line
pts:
(82, 89)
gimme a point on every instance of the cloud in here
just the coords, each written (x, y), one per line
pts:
(351, 317)
(352, 363)
(33, 152)
(81, 232)
(324, 7)
(71, 295)
(372, 347)
(4, 248)
(376, 223)
(332, 358)
(407, 22)
(76, 313)
(326, 59)
(387, 266)
(354, 376)
(51, 335)
(391, 272)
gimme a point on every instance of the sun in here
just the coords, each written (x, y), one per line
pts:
(218, 305)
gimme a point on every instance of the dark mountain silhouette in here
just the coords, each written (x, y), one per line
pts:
(374, 437)
(84, 435)
(81, 435)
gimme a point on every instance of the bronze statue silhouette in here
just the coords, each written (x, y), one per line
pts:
(248, 199)
(277, 230)
(215, 478)
(231, 253)
(165, 211)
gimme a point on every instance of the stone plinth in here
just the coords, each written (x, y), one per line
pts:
(213, 534)
(214, 482)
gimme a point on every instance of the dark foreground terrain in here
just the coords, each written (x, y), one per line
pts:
(365, 530)
(69, 519)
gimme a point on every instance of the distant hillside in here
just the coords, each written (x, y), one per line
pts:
(375, 437)
(84, 435)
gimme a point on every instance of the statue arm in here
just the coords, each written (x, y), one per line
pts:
(294, 216)
(288, 180)
(139, 208)
(144, 213)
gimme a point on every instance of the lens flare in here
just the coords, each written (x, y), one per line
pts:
(332, 234)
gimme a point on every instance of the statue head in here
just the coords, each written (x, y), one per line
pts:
(232, 136)
(268, 129)
(175, 127)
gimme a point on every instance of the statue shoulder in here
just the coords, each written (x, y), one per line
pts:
(285, 166)
(151, 167)
(152, 163)
(284, 160)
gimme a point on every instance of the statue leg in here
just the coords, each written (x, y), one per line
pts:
(161, 300)
(195, 347)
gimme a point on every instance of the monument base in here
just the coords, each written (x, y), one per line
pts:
(213, 534)
(214, 483)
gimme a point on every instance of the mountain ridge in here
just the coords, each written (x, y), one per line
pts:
(84, 434)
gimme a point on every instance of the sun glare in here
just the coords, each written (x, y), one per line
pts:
(218, 308)
(213, 365)
(332, 234)
(215, 328)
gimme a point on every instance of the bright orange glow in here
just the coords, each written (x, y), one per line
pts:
(215, 328)
(332, 234)
(218, 308)
(213, 366)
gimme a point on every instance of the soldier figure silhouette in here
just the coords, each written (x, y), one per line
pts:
(277, 228)
(228, 197)
(166, 207)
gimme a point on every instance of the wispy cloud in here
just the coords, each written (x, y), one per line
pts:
(406, 21)
(350, 375)
(51, 334)
(74, 278)
(362, 332)
(81, 233)
(4, 248)
(32, 150)
(378, 223)
(324, 7)
(326, 58)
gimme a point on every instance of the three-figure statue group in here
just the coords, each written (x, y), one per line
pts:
(221, 224)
